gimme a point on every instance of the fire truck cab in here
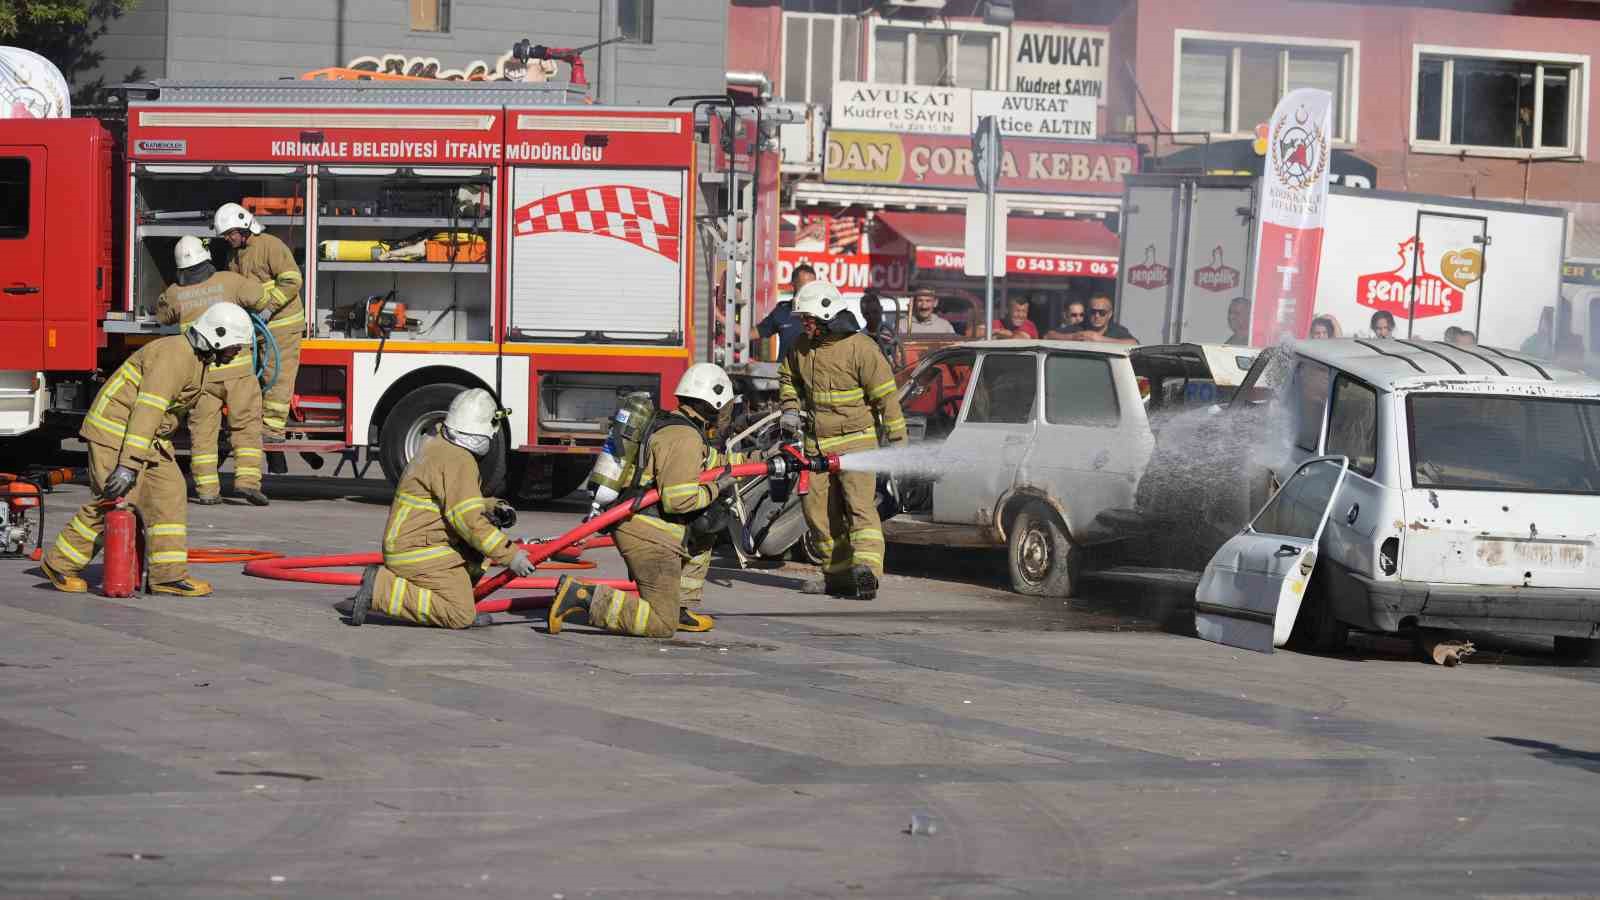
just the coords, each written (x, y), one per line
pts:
(510, 237)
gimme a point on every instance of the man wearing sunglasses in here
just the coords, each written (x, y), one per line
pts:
(1099, 326)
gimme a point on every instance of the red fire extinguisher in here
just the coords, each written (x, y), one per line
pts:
(123, 559)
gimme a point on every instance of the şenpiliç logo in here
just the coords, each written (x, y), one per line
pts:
(1299, 150)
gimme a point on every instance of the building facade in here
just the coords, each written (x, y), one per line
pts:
(1486, 99)
(671, 48)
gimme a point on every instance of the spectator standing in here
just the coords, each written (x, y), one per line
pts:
(782, 321)
(924, 316)
(1016, 324)
(1382, 324)
(1238, 322)
(1100, 328)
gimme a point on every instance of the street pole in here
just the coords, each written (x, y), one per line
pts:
(986, 152)
(988, 265)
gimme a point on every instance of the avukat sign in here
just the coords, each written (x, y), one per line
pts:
(1293, 208)
(1404, 297)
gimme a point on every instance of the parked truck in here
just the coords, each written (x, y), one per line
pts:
(506, 236)
(1433, 263)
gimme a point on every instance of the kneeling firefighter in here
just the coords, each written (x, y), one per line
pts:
(668, 546)
(232, 386)
(129, 431)
(839, 376)
(441, 529)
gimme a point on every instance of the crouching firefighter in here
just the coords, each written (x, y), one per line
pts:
(441, 530)
(839, 376)
(233, 385)
(667, 546)
(129, 431)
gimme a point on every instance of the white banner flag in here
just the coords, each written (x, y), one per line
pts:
(1293, 207)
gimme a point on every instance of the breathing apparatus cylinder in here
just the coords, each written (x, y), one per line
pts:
(614, 469)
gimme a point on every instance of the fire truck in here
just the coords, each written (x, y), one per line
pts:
(451, 234)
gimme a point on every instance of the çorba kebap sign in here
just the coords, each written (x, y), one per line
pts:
(938, 161)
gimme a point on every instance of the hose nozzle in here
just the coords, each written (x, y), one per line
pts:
(826, 463)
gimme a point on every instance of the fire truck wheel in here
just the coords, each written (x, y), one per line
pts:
(417, 416)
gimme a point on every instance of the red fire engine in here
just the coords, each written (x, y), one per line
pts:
(502, 236)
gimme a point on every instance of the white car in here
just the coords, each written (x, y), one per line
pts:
(1038, 438)
(1433, 487)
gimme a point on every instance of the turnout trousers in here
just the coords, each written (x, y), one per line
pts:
(158, 495)
(242, 397)
(659, 571)
(286, 330)
(841, 510)
(437, 594)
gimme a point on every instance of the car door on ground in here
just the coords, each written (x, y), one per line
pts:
(990, 440)
(1093, 440)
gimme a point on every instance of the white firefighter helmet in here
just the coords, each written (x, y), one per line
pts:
(190, 252)
(231, 216)
(819, 299)
(707, 383)
(221, 326)
(472, 412)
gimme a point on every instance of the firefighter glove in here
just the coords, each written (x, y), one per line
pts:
(790, 421)
(724, 483)
(521, 564)
(502, 514)
(119, 482)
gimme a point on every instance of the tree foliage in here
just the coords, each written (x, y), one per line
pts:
(64, 32)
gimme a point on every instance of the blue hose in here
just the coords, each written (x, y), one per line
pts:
(265, 334)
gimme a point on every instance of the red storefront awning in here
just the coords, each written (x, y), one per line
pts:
(1035, 245)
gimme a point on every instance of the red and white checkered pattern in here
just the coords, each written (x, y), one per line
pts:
(640, 216)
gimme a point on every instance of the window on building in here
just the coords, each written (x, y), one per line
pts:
(819, 48)
(636, 20)
(13, 198)
(430, 15)
(1229, 86)
(1500, 103)
(935, 56)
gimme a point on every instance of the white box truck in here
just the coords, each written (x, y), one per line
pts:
(1433, 263)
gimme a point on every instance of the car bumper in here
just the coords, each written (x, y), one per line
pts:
(1570, 612)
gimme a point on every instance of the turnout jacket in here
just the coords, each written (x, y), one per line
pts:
(844, 383)
(267, 259)
(438, 519)
(672, 460)
(141, 403)
(181, 304)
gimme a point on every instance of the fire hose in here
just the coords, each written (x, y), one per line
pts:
(545, 554)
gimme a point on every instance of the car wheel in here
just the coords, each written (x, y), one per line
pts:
(1576, 649)
(1042, 560)
(416, 418)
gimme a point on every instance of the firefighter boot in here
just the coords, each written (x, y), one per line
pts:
(355, 608)
(572, 596)
(831, 587)
(481, 620)
(183, 587)
(70, 584)
(208, 499)
(254, 495)
(689, 620)
(866, 582)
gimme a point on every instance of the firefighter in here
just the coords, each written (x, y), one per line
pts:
(667, 546)
(200, 286)
(839, 377)
(129, 432)
(266, 259)
(440, 531)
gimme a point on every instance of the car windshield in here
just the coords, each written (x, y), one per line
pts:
(1498, 443)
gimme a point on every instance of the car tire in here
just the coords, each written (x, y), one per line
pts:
(1042, 560)
(418, 415)
(1579, 650)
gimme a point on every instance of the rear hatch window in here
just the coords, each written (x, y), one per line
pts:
(1467, 442)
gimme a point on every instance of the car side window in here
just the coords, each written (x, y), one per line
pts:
(1007, 384)
(1310, 399)
(1079, 390)
(1353, 424)
(1296, 510)
(936, 393)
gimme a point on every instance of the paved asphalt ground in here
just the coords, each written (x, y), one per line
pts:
(250, 745)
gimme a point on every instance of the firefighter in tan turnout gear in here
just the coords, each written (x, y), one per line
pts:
(268, 260)
(667, 546)
(129, 431)
(441, 529)
(200, 286)
(839, 376)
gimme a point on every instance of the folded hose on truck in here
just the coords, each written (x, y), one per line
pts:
(270, 344)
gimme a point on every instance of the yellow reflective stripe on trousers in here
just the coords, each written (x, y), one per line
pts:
(424, 604)
(894, 426)
(421, 554)
(830, 443)
(867, 534)
(641, 617)
(613, 616)
(167, 529)
(879, 391)
(669, 527)
(67, 550)
(83, 530)
(242, 471)
(207, 479)
(202, 459)
(169, 556)
(863, 557)
(397, 595)
(247, 451)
